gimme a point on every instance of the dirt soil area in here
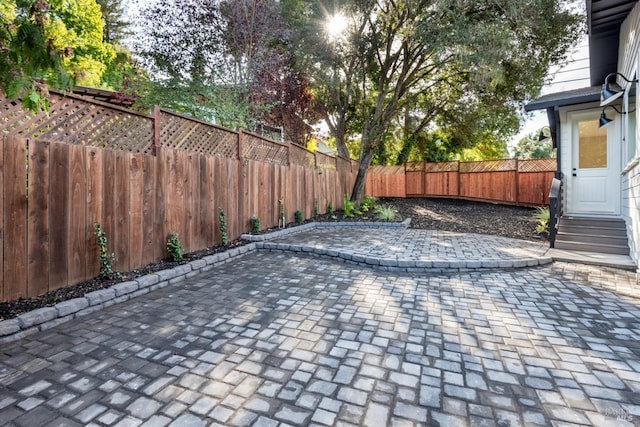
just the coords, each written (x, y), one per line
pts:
(426, 213)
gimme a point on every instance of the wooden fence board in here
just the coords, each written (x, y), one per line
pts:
(149, 222)
(15, 218)
(194, 224)
(38, 222)
(2, 215)
(122, 205)
(206, 203)
(95, 206)
(58, 216)
(136, 215)
(161, 194)
(76, 234)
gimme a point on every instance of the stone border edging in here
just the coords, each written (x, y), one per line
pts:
(47, 317)
(406, 266)
(313, 225)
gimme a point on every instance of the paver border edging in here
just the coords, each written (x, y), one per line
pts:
(313, 225)
(47, 317)
(406, 266)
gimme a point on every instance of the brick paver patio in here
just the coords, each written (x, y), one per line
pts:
(281, 339)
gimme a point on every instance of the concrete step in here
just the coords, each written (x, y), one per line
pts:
(592, 247)
(603, 239)
(592, 230)
(593, 222)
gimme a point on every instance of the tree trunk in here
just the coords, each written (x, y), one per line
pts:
(341, 145)
(361, 179)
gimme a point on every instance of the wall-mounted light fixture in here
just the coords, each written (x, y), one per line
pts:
(542, 136)
(604, 120)
(610, 93)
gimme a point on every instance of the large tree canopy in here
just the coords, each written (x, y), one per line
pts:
(225, 61)
(465, 65)
(55, 40)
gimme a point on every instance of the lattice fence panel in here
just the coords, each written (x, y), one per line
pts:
(188, 134)
(386, 170)
(489, 166)
(325, 162)
(415, 166)
(263, 150)
(537, 165)
(74, 120)
(302, 156)
(441, 167)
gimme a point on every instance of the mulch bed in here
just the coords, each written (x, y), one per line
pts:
(434, 214)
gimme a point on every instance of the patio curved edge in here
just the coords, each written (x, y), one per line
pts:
(47, 317)
(408, 265)
(313, 225)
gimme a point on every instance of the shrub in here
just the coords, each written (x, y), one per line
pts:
(174, 247)
(298, 216)
(542, 217)
(349, 209)
(386, 213)
(330, 209)
(367, 203)
(315, 209)
(106, 259)
(222, 226)
(255, 225)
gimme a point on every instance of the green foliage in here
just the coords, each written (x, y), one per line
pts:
(315, 209)
(530, 147)
(298, 217)
(348, 208)
(174, 247)
(255, 225)
(116, 27)
(385, 213)
(106, 259)
(222, 227)
(329, 209)
(542, 217)
(367, 203)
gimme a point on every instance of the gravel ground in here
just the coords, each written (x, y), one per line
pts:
(468, 217)
(435, 214)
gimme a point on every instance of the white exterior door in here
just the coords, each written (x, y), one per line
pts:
(593, 184)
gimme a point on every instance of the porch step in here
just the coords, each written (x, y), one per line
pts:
(607, 236)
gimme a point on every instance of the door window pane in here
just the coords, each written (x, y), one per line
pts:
(592, 145)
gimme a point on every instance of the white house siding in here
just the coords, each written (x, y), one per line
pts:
(628, 65)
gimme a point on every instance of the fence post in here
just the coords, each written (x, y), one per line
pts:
(517, 181)
(239, 144)
(458, 176)
(156, 129)
(288, 153)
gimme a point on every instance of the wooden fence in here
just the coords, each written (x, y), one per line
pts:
(513, 181)
(141, 177)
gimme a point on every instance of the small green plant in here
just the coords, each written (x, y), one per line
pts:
(349, 209)
(298, 216)
(222, 226)
(106, 258)
(174, 247)
(315, 209)
(330, 209)
(542, 217)
(255, 225)
(368, 202)
(385, 213)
